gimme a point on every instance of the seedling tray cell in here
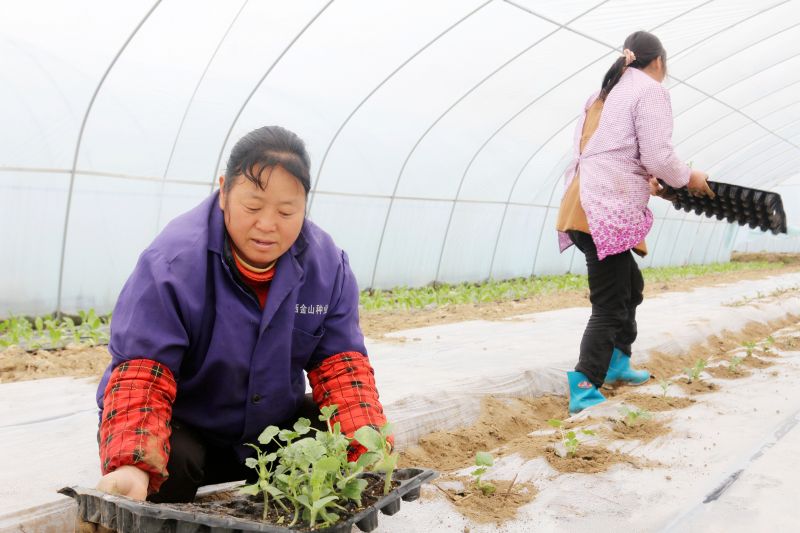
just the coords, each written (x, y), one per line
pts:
(736, 204)
(125, 515)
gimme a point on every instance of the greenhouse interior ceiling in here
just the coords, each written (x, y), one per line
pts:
(439, 131)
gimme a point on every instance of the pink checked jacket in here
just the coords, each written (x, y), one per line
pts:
(632, 142)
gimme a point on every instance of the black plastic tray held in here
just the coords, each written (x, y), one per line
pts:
(734, 203)
(125, 515)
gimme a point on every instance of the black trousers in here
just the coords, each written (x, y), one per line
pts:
(615, 290)
(194, 461)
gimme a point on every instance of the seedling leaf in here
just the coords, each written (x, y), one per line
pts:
(484, 459)
(268, 434)
(369, 438)
(252, 490)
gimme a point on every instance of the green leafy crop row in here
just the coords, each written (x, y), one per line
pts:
(48, 332)
(521, 288)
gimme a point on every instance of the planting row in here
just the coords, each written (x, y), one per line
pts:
(48, 332)
(521, 288)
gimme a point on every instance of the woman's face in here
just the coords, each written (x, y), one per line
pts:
(263, 224)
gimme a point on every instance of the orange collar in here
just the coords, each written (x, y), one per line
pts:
(251, 273)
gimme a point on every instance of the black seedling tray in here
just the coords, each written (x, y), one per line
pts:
(125, 515)
(734, 203)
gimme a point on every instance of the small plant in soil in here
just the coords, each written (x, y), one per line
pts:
(54, 332)
(734, 364)
(769, 343)
(569, 438)
(483, 460)
(15, 330)
(91, 328)
(693, 373)
(665, 384)
(634, 417)
(749, 347)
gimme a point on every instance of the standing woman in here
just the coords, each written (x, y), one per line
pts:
(622, 146)
(215, 330)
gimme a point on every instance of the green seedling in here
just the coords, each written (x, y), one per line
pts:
(769, 342)
(749, 347)
(694, 372)
(69, 330)
(54, 332)
(569, 438)
(16, 330)
(92, 327)
(572, 443)
(262, 464)
(309, 476)
(635, 416)
(483, 461)
(378, 446)
(734, 363)
(665, 384)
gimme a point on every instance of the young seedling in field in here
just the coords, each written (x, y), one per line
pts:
(749, 346)
(769, 342)
(70, 330)
(634, 416)
(694, 372)
(14, 330)
(55, 333)
(665, 384)
(91, 327)
(569, 438)
(483, 461)
(734, 363)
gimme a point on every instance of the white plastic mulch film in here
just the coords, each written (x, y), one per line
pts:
(438, 130)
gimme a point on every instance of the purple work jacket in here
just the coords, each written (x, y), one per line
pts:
(238, 368)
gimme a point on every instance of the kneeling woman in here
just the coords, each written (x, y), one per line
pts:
(214, 329)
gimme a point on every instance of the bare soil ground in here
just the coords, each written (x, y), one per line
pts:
(520, 426)
(76, 361)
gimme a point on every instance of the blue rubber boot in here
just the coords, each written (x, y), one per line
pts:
(620, 371)
(582, 393)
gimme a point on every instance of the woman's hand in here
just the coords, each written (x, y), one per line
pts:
(655, 187)
(657, 190)
(698, 184)
(126, 481)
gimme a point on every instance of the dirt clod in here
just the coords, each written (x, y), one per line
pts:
(589, 460)
(658, 403)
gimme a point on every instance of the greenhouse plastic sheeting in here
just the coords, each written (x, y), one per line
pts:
(438, 131)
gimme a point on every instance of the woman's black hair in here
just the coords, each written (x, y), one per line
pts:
(645, 46)
(268, 147)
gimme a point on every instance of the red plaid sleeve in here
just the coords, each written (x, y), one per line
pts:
(135, 425)
(347, 380)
